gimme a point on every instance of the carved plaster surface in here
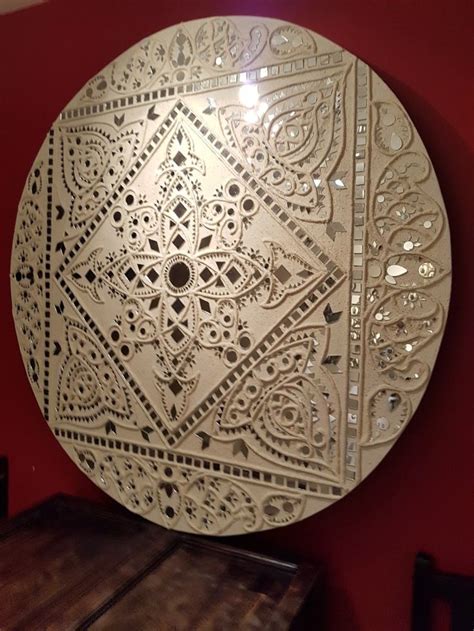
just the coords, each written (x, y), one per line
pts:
(230, 275)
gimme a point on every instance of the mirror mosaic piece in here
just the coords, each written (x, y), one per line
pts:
(230, 275)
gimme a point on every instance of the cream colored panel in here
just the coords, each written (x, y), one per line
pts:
(230, 275)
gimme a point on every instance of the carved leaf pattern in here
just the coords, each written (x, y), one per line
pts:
(292, 141)
(392, 130)
(281, 403)
(89, 391)
(27, 274)
(389, 411)
(94, 159)
(182, 267)
(289, 40)
(220, 45)
(205, 383)
(403, 317)
(212, 504)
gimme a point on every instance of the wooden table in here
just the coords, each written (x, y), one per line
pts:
(71, 564)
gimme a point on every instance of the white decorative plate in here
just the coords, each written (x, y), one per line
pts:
(230, 275)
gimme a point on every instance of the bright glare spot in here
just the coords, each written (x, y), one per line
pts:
(251, 117)
(248, 95)
(262, 108)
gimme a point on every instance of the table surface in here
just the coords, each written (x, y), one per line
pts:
(72, 564)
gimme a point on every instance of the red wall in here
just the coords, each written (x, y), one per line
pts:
(420, 497)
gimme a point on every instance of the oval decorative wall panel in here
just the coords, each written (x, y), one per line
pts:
(230, 275)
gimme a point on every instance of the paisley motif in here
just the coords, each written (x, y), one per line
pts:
(90, 391)
(280, 402)
(411, 271)
(94, 157)
(230, 275)
(131, 73)
(291, 139)
(181, 49)
(220, 45)
(213, 504)
(392, 130)
(406, 218)
(400, 325)
(389, 411)
(290, 40)
(142, 486)
(279, 510)
(27, 274)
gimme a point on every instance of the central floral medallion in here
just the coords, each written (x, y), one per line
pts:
(187, 262)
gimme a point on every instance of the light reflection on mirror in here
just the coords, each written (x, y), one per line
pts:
(249, 98)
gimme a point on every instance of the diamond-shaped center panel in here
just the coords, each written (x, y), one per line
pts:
(186, 279)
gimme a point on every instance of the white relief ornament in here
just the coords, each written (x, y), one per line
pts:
(389, 411)
(291, 138)
(289, 41)
(223, 46)
(392, 129)
(230, 275)
(183, 268)
(89, 390)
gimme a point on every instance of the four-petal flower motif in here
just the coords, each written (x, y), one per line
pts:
(185, 270)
